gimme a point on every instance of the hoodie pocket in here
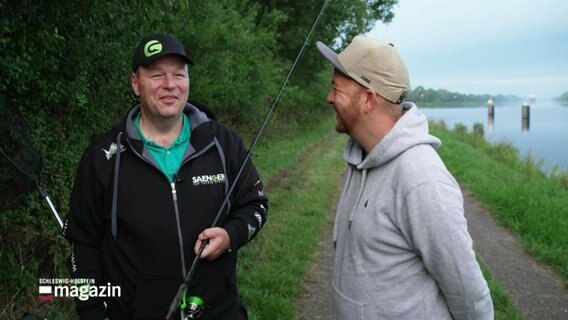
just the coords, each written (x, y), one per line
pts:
(345, 308)
(153, 297)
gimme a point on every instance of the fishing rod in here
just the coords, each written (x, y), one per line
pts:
(195, 309)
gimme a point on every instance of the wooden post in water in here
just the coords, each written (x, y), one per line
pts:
(490, 114)
(525, 117)
(490, 108)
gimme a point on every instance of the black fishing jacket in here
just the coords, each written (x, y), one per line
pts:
(130, 227)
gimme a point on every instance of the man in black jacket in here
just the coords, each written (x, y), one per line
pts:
(146, 195)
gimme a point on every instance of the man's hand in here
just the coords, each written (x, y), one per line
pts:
(218, 243)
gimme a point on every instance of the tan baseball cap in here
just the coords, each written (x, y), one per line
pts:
(372, 63)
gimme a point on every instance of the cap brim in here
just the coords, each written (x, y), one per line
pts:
(331, 56)
(148, 62)
(177, 54)
(187, 59)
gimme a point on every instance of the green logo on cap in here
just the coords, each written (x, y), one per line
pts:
(152, 47)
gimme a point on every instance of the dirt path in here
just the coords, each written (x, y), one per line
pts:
(316, 303)
(536, 291)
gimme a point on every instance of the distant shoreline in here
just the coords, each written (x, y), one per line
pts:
(477, 104)
(460, 104)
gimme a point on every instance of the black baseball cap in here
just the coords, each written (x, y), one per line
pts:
(156, 46)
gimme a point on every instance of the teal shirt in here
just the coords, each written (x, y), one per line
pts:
(168, 158)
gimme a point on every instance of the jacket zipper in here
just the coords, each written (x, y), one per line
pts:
(176, 209)
(174, 197)
(180, 237)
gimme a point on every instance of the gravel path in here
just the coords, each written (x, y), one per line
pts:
(316, 303)
(536, 291)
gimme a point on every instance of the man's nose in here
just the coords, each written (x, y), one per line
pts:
(329, 97)
(168, 81)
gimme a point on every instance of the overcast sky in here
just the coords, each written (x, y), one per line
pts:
(515, 47)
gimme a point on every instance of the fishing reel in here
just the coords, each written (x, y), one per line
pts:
(191, 307)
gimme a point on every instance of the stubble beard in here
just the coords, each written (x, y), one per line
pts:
(346, 119)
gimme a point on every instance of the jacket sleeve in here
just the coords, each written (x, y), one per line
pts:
(83, 228)
(249, 205)
(439, 234)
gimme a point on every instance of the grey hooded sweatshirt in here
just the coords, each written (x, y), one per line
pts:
(402, 249)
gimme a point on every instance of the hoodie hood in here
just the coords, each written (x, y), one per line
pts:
(410, 130)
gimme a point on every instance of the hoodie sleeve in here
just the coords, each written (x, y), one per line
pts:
(83, 229)
(249, 208)
(439, 234)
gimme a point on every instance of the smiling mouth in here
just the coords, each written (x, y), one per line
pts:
(169, 98)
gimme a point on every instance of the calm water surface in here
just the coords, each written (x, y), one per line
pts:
(545, 137)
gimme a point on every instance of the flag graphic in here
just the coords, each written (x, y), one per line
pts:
(45, 293)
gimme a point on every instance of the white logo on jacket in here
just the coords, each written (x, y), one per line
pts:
(208, 179)
(112, 150)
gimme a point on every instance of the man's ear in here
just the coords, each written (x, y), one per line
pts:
(134, 84)
(370, 100)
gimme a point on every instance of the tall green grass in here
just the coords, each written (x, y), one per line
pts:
(519, 194)
(272, 268)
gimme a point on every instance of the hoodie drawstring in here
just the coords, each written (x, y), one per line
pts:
(115, 186)
(359, 195)
(349, 175)
(341, 198)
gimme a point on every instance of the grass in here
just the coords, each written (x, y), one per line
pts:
(272, 268)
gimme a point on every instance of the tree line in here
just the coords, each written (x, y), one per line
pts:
(66, 67)
(440, 98)
(563, 98)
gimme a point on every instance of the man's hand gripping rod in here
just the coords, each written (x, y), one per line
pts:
(183, 287)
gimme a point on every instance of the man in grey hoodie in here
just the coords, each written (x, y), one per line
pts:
(402, 249)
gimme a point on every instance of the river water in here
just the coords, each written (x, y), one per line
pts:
(544, 137)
